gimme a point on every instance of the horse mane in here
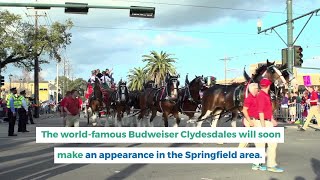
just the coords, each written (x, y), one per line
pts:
(259, 71)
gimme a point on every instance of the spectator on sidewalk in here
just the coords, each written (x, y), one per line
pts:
(298, 105)
(284, 107)
(292, 108)
(30, 110)
(72, 107)
(314, 110)
(304, 104)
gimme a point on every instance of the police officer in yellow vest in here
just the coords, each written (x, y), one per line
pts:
(12, 105)
(23, 111)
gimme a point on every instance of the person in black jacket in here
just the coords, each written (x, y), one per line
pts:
(99, 75)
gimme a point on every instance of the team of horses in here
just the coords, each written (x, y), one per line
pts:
(215, 102)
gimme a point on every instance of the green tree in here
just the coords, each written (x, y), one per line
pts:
(20, 45)
(158, 65)
(78, 84)
(136, 78)
(66, 84)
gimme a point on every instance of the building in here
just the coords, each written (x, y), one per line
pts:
(29, 88)
(298, 77)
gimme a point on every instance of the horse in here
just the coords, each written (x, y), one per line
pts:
(189, 96)
(119, 102)
(95, 104)
(161, 99)
(276, 89)
(219, 99)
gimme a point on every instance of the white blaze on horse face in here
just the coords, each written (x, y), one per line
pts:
(123, 95)
(280, 74)
(175, 92)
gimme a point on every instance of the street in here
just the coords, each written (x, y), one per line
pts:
(21, 158)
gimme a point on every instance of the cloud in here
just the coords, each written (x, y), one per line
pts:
(168, 13)
(95, 46)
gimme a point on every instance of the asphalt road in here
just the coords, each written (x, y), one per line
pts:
(21, 158)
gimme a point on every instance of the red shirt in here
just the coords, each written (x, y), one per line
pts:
(251, 103)
(264, 105)
(72, 105)
(313, 96)
(80, 102)
(62, 103)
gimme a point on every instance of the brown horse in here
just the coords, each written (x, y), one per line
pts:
(220, 99)
(276, 89)
(189, 96)
(163, 100)
(95, 104)
(119, 100)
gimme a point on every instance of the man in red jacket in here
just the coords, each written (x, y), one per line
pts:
(63, 113)
(314, 110)
(72, 107)
(266, 120)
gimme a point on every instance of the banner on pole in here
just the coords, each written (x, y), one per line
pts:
(307, 80)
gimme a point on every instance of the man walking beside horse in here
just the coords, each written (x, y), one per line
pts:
(267, 121)
(73, 109)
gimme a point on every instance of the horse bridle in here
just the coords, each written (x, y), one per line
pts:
(188, 93)
(121, 90)
(278, 87)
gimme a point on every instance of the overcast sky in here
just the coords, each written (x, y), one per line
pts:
(198, 32)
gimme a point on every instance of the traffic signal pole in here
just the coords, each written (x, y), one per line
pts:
(76, 8)
(290, 41)
(73, 5)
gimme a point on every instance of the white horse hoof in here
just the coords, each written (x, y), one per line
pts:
(175, 125)
(151, 124)
(199, 124)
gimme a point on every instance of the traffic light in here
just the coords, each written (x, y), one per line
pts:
(142, 13)
(297, 55)
(2, 80)
(284, 55)
(77, 10)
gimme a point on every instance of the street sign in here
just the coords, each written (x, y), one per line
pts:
(143, 13)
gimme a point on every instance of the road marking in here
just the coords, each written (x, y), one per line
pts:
(46, 170)
(29, 165)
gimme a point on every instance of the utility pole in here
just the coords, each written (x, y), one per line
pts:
(36, 66)
(225, 68)
(57, 84)
(290, 42)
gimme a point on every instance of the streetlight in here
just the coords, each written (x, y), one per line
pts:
(10, 75)
(259, 25)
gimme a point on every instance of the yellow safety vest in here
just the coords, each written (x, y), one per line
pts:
(27, 101)
(16, 102)
(20, 98)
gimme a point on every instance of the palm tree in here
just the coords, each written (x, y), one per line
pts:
(158, 65)
(136, 78)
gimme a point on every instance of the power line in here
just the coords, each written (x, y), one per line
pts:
(165, 30)
(205, 6)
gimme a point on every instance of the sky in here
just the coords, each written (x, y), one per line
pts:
(199, 33)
